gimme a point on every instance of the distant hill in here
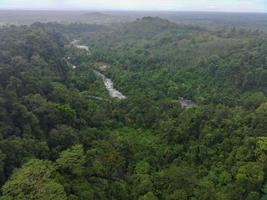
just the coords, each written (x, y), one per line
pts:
(148, 26)
(96, 14)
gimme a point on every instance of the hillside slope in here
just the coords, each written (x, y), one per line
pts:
(57, 142)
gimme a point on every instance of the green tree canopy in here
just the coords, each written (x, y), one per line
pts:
(34, 181)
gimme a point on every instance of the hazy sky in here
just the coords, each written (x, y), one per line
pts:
(182, 5)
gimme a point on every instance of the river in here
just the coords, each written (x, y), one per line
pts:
(109, 86)
(187, 103)
(76, 44)
(107, 82)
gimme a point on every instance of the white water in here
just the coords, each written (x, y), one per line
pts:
(86, 48)
(107, 82)
(78, 46)
(185, 103)
(109, 85)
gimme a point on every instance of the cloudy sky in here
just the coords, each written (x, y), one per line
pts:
(181, 5)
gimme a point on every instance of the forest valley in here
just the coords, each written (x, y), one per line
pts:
(63, 137)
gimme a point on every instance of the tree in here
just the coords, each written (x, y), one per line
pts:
(62, 137)
(148, 196)
(253, 100)
(260, 120)
(34, 181)
(250, 177)
(71, 161)
(105, 161)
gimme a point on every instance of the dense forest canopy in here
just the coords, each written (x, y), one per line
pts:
(63, 137)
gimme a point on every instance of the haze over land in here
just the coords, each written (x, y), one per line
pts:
(167, 5)
(133, 100)
(209, 20)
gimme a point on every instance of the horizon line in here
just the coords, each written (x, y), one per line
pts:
(130, 10)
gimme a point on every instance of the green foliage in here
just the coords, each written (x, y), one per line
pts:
(250, 176)
(35, 180)
(71, 161)
(5, 198)
(63, 137)
(148, 196)
(259, 119)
